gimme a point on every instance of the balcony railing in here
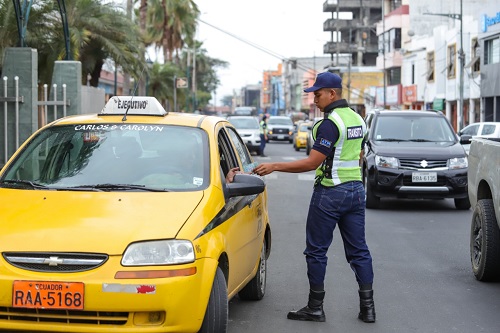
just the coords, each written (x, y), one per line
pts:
(347, 5)
(345, 47)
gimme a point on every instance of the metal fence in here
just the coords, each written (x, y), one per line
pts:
(48, 109)
(16, 99)
(47, 117)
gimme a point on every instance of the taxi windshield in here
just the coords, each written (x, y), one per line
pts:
(113, 157)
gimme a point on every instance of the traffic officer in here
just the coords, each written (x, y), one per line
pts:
(263, 135)
(338, 197)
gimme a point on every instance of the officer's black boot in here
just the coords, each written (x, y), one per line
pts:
(366, 306)
(314, 309)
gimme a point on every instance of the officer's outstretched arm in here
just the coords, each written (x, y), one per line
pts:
(314, 160)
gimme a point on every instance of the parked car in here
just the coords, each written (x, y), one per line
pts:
(245, 111)
(310, 140)
(123, 222)
(416, 155)
(300, 137)
(279, 128)
(481, 129)
(484, 194)
(248, 129)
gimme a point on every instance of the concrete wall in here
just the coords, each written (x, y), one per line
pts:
(21, 123)
(93, 99)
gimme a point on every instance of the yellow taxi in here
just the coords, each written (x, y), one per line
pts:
(300, 138)
(123, 221)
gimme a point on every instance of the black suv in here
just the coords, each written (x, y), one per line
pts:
(413, 154)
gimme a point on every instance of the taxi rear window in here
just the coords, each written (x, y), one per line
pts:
(158, 157)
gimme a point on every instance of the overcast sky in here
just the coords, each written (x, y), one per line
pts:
(285, 28)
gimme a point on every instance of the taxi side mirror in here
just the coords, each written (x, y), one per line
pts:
(244, 184)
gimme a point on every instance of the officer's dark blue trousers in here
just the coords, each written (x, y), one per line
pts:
(342, 205)
(262, 144)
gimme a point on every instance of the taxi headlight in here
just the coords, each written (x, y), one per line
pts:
(458, 163)
(386, 162)
(162, 252)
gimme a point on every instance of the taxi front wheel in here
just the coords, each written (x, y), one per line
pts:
(216, 316)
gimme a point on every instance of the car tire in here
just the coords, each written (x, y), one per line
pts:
(216, 315)
(372, 201)
(462, 203)
(308, 149)
(295, 147)
(256, 288)
(485, 242)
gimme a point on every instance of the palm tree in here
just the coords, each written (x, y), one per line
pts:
(37, 28)
(206, 72)
(161, 83)
(97, 31)
(171, 24)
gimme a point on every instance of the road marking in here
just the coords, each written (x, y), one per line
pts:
(306, 176)
(302, 176)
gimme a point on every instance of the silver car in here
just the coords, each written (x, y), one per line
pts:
(248, 128)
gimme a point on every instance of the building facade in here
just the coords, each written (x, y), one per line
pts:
(351, 30)
(489, 59)
(434, 56)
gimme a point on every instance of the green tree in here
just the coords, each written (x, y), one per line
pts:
(170, 25)
(227, 100)
(206, 71)
(161, 84)
(97, 31)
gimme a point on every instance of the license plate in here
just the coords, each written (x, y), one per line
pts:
(281, 137)
(424, 177)
(48, 295)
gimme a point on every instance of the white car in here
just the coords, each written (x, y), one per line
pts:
(482, 130)
(248, 128)
(280, 128)
(310, 141)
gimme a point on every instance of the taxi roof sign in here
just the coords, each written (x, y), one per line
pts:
(133, 105)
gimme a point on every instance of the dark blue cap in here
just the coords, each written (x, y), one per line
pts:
(325, 80)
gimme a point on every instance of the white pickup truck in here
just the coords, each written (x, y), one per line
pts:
(484, 195)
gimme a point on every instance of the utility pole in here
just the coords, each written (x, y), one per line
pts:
(383, 51)
(461, 58)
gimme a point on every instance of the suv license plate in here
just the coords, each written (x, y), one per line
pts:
(281, 137)
(424, 177)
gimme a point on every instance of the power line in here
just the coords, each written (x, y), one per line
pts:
(274, 54)
(261, 48)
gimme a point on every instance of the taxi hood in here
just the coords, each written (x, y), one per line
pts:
(100, 222)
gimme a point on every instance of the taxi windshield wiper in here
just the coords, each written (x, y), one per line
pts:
(110, 187)
(422, 140)
(25, 183)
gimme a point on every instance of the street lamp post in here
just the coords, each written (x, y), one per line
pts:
(461, 57)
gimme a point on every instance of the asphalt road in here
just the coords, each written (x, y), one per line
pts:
(423, 281)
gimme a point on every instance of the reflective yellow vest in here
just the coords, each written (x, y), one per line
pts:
(345, 162)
